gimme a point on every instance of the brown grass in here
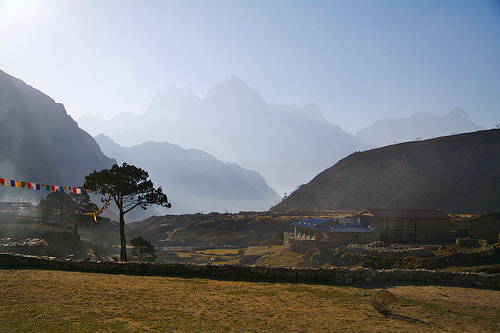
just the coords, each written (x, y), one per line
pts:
(54, 301)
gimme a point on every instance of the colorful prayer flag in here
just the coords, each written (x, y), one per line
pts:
(2, 181)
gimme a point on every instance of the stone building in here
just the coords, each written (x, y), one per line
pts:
(406, 225)
(486, 227)
(15, 208)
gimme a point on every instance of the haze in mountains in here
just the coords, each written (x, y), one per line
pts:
(459, 173)
(40, 142)
(193, 180)
(419, 126)
(286, 144)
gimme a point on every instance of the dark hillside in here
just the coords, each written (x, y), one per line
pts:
(40, 142)
(459, 173)
(218, 230)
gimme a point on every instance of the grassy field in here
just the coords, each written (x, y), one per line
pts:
(221, 256)
(55, 301)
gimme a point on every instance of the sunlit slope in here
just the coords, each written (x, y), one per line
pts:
(454, 173)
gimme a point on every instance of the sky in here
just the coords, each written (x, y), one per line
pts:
(359, 61)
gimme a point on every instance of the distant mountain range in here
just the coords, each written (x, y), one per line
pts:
(417, 127)
(39, 142)
(286, 144)
(193, 180)
(459, 173)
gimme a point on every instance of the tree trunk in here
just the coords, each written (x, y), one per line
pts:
(123, 240)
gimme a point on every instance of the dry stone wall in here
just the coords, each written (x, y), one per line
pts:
(369, 249)
(335, 275)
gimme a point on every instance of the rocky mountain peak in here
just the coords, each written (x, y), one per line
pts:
(458, 114)
(233, 90)
(312, 111)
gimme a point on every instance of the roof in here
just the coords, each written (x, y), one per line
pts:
(404, 213)
(330, 225)
(312, 222)
(497, 215)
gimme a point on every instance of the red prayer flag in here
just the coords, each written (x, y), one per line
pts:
(2, 181)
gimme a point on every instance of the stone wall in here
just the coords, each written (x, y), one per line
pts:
(471, 242)
(383, 258)
(389, 252)
(335, 275)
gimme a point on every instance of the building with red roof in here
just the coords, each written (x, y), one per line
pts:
(406, 225)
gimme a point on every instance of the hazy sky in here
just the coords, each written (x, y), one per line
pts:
(359, 61)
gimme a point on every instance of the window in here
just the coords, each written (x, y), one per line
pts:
(383, 225)
(399, 225)
(364, 222)
(384, 237)
(412, 238)
(398, 238)
(413, 225)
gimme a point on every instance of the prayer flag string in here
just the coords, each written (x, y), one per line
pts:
(99, 212)
(40, 187)
(54, 188)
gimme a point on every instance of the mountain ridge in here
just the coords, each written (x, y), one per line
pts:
(194, 178)
(40, 141)
(421, 125)
(287, 146)
(459, 173)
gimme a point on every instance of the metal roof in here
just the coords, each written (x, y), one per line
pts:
(404, 213)
(312, 222)
(334, 226)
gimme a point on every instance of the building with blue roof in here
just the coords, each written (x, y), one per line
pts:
(323, 229)
(388, 225)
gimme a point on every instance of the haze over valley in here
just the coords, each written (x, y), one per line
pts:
(241, 149)
(288, 145)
